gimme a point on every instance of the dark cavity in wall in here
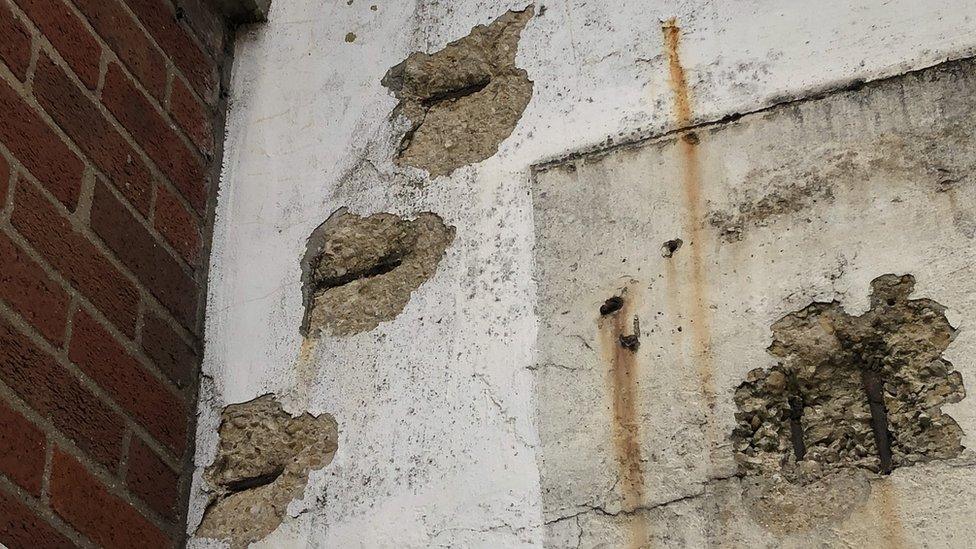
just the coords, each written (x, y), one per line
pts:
(360, 271)
(463, 100)
(263, 462)
(669, 248)
(852, 392)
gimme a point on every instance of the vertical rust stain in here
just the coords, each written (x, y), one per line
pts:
(691, 180)
(679, 83)
(891, 530)
(305, 371)
(614, 329)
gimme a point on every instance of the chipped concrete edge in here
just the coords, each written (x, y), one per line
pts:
(313, 251)
(645, 136)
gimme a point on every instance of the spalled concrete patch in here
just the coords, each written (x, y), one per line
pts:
(463, 100)
(850, 396)
(360, 271)
(262, 464)
(852, 391)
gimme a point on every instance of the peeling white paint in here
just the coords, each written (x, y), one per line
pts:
(435, 409)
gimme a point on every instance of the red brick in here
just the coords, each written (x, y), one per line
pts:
(85, 503)
(122, 33)
(15, 48)
(207, 24)
(85, 123)
(39, 148)
(69, 35)
(139, 250)
(53, 392)
(193, 116)
(151, 480)
(21, 450)
(177, 360)
(156, 135)
(22, 528)
(28, 290)
(144, 397)
(200, 69)
(177, 225)
(72, 255)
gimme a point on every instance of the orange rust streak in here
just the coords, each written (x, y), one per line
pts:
(305, 370)
(699, 317)
(627, 435)
(625, 421)
(892, 530)
(679, 83)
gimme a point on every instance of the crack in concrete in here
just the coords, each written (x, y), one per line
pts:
(502, 411)
(643, 508)
(503, 526)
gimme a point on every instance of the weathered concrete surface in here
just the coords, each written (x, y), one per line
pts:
(720, 517)
(894, 168)
(438, 442)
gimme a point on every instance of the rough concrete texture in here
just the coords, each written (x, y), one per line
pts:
(852, 391)
(263, 462)
(468, 418)
(463, 100)
(360, 271)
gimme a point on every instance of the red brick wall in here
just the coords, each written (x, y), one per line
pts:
(108, 115)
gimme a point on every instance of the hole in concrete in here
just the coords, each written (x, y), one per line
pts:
(463, 100)
(446, 95)
(630, 342)
(848, 392)
(670, 247)
(253, 482)
(360, 271)
(611, 305)
(263, 461)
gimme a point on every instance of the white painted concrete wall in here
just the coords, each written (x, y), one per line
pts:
(436, 408)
